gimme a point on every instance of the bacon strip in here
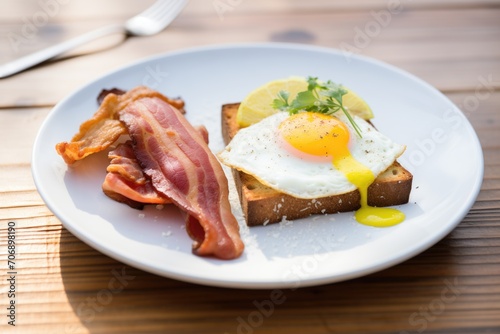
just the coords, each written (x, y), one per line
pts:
(182, 167)
(104, 128)
(125, 181)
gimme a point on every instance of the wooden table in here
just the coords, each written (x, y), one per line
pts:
(454, 287)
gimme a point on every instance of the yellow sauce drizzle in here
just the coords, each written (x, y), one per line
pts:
(362, 177)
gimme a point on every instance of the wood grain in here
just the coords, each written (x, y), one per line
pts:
(404, 42)
(65, 286)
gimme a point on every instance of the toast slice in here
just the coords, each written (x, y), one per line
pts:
(263, 205)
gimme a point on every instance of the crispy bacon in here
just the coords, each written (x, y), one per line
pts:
(105, 92)
(104, 128)
(125, 181)
(182, 167)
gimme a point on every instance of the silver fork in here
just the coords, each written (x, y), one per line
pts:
(149, 22)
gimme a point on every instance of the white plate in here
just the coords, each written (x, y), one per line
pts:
(443, 154)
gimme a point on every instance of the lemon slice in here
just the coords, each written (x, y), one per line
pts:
(258, 104)
(356, 105)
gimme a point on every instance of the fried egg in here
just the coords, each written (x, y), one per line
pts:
(311, 155)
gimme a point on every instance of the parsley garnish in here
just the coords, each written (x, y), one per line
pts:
(325, 98)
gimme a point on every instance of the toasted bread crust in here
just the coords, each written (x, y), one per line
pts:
(263, 205)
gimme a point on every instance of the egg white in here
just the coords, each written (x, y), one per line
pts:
(258, 150)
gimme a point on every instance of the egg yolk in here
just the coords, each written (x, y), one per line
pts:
(326, 136)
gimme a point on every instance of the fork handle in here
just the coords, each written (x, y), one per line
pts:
(38, 57)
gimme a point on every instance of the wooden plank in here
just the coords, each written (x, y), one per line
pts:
(21, 142)
(15, 178)
(420, 42)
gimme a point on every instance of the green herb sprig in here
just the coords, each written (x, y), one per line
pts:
(325, 98)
